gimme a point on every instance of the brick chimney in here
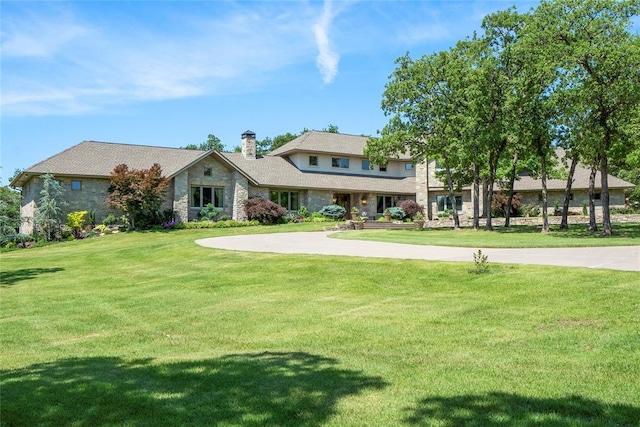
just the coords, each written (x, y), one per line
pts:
(249, 145)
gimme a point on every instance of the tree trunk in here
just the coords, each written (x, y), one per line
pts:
(593, 225)
(564, 223)
(512, 179)
(604, 196)
(476, 196)
(452, 199)
(545, 214)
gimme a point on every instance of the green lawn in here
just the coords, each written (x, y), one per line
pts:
(513, 237)
(148, 329)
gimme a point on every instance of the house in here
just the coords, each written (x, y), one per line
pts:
(316, 169)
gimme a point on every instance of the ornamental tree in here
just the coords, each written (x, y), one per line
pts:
(138, 193)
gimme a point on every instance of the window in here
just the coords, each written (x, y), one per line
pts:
(202, 196)
(340, 162)
(76, 185)
(366, 165)
(383, 168)
(596, 196)
(207, 171)
(444, 203)
(385, 202)
(408, 166)
(313, 160)
(290, 200)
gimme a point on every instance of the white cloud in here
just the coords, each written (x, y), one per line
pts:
(65, 64)
(327, 60)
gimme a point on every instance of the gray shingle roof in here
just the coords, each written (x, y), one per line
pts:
(327, 142)
(92, 158)
(274, 171)
(580, 180)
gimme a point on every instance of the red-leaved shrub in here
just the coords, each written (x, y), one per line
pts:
(263, 210)
(410, 207)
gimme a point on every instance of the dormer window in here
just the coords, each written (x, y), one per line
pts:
(383, 168)
(366, 165)
(313, 160)
(408, 166)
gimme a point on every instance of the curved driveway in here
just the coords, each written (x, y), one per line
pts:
(612, 257)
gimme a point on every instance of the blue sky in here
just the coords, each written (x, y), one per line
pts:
(169, 73)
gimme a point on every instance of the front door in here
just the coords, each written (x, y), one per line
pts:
(344, 200)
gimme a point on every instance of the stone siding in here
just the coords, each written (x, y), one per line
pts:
(92, 195)
(240, 194)
(220, 177)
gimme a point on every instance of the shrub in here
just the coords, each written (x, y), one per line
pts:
(303, 212)
(317, 215)
(499, 204)
(110, 220)
(530, 210)
(396, 212)
(333, 211)
(263, 210)
(209, 212)
(411, 208)
(445, 213)
(628, 210)
(215, 224)
(101, 228)
(75, 221)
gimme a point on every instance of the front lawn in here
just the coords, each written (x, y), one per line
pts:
(512, 237)
(151, 329)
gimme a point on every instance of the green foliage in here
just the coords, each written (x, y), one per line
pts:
(481, 262)
(530, 210)
(92, 218)
(215, 224)
(75, 221)
(212, 143)
(333, 211)
(304, 212)
(396, 212)
(9, 212)
(585, 208)
(209, 212)
(110, 220)
(49, 207)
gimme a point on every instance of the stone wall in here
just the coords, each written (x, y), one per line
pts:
(499, 222)
(240, 194)
(220, 177)
(92, 195)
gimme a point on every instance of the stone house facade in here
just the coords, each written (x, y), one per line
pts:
(316, 169)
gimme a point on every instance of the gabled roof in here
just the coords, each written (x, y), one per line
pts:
(92, 158)
(275, 171)
(328, 143)
(580, 179)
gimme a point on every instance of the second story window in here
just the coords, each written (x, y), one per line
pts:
(340, 162)
(408, 166)
(366, 165)
(383, 168)
(207, 171)
(313, 160)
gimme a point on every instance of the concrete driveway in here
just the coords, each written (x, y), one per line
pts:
(612, 257)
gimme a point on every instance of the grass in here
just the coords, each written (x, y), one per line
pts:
(512, 237)
(150, 329)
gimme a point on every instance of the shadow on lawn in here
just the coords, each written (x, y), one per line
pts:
(10, 278)
(503, 409)
(247, 389)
